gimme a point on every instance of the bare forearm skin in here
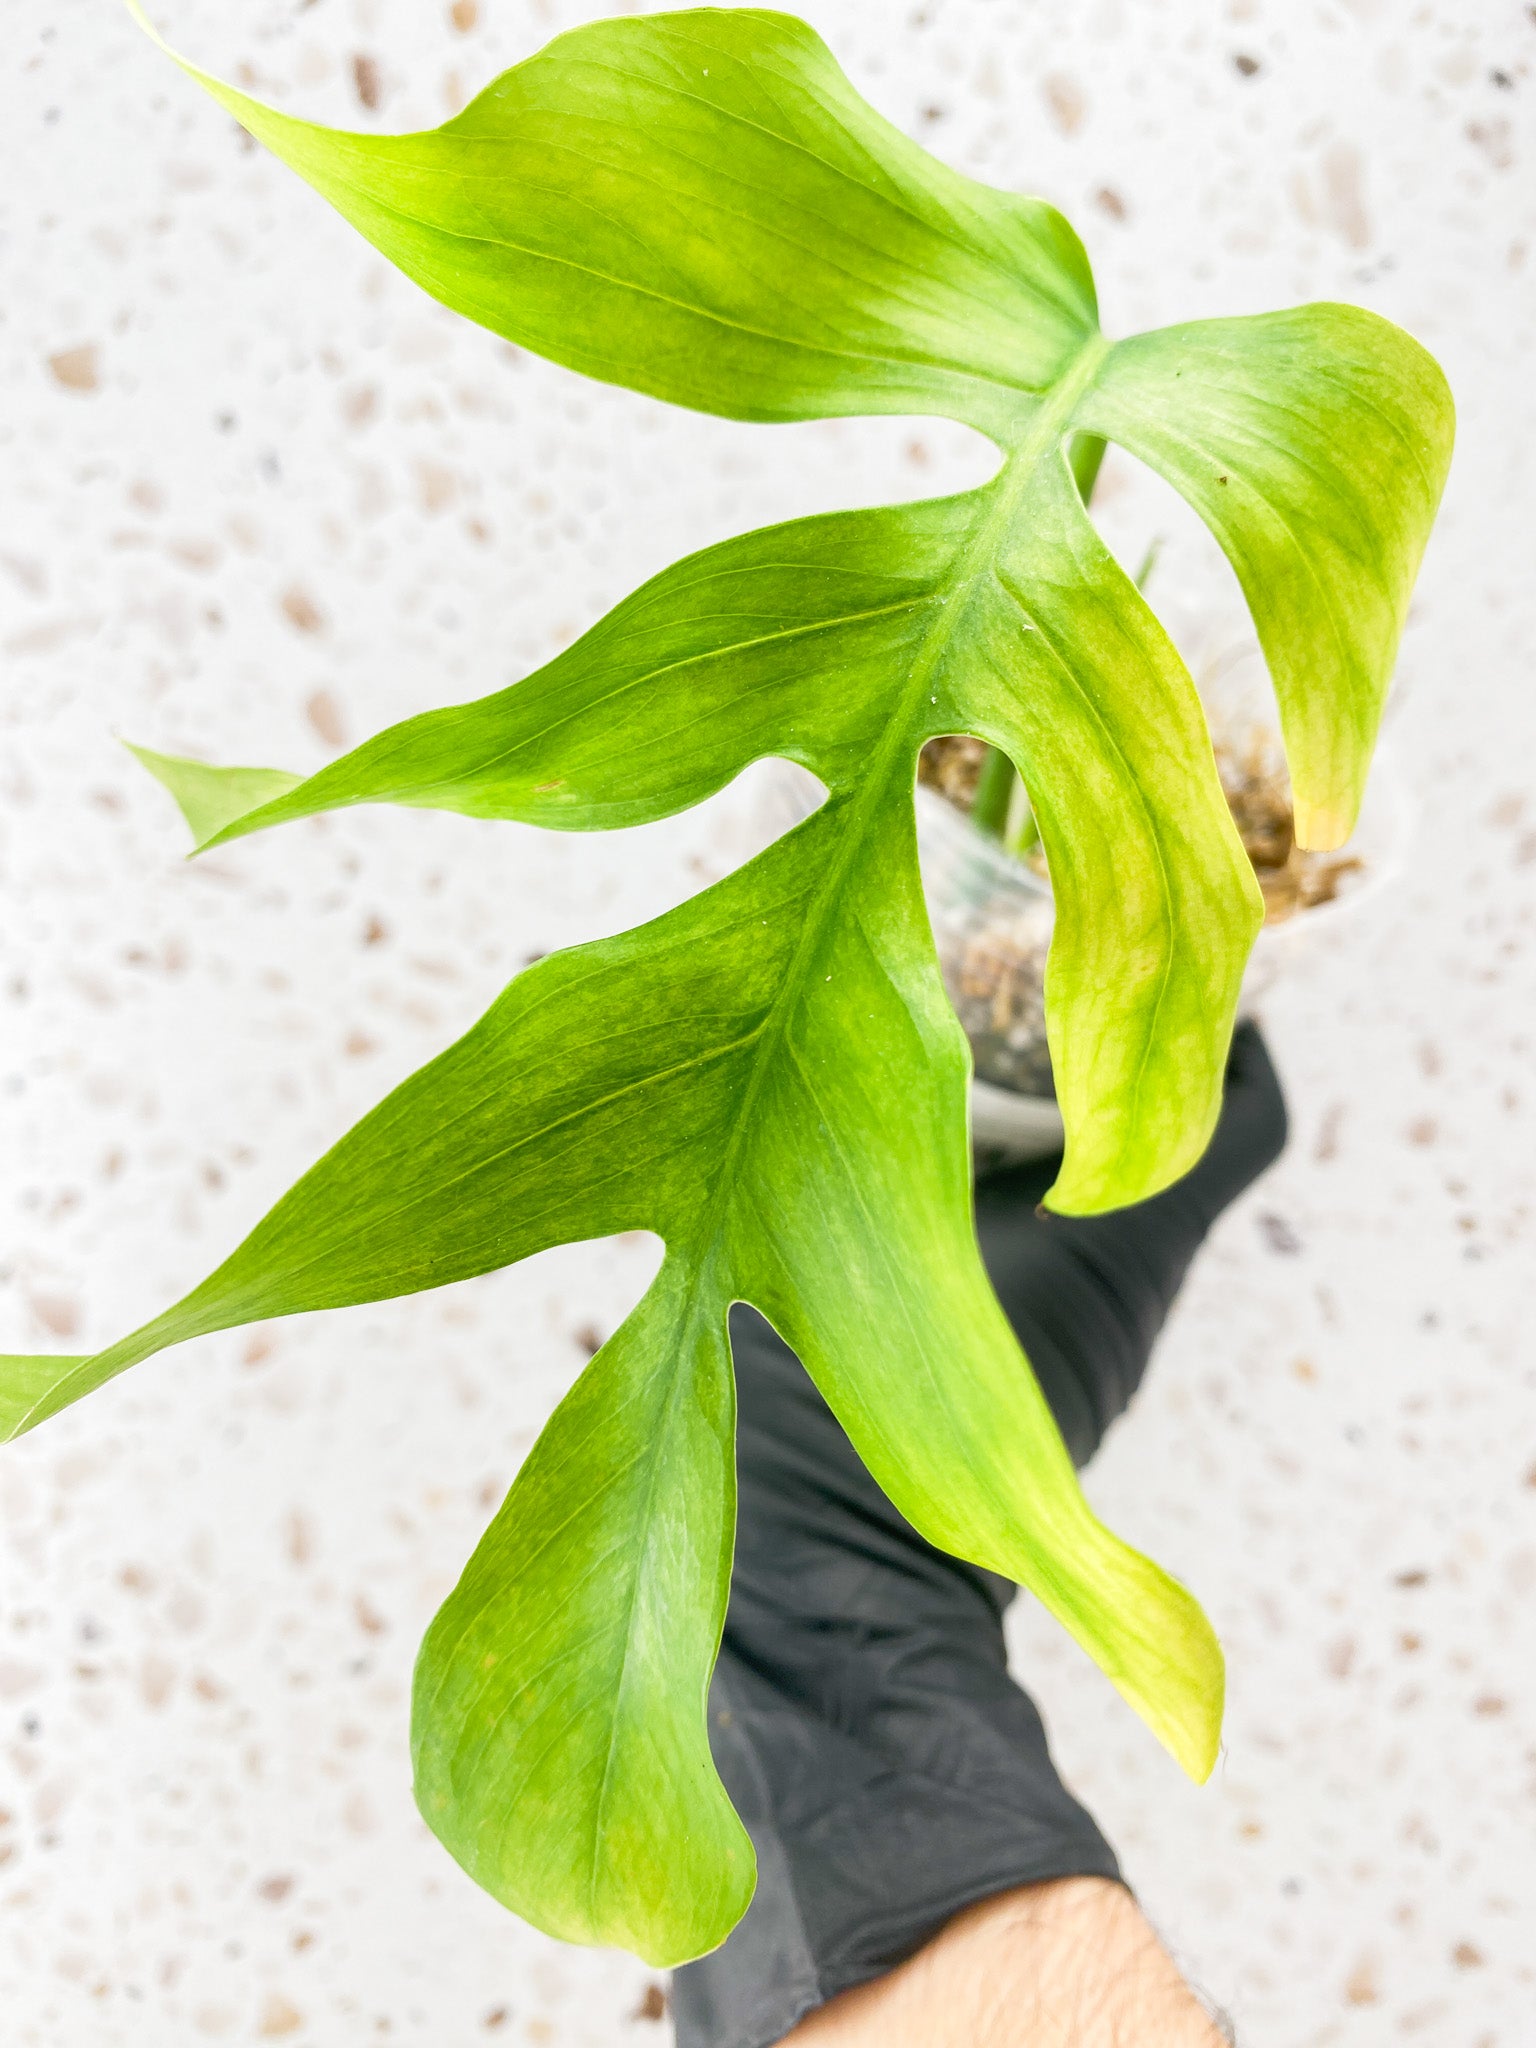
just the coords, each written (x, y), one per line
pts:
(1070, 1964)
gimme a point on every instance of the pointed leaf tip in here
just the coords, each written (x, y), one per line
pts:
(210, 798)
(1321, 828)
(26, 1385)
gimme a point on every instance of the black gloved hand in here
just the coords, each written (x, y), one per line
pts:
(862, 1717)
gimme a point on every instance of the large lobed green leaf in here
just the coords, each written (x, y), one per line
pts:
(770, 1077)
(700, 206)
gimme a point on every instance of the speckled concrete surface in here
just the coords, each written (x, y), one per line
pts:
(261, 498)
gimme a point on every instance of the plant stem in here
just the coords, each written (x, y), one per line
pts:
(1085, 455)
(1024, 831)
(994, 792)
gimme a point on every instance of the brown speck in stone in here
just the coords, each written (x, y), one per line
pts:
(193, 553)
(278, 2017)
(653, 2004)
(31, 575)
(1304, 1369)
(16, 1679)
(302, 1940)
(359, 406)
(324, 714)
(208, 1688)
(1362, 1987)
(186, 1612)
(1530, 1478)
(1245, 65)
(590, 1338)
(77, 369)
(134, 1579)
(1490, 1706)
(375, 931)
(464, 14)
(1065, 102)
(917, 454)
(433, 970)
(1509, 809)
(495, 2018)
(369, 1619)
(1343, 195)
(1495, 139)
(300, 610)
(357, 1045)
(1108, 200)
(258, 1349)
(1417, 1577)
(357, 1815)
(156, 1677)
(1327, 1146)
(931, 114)
(1423, 1131)
(490, 1491)
(300, 1538)
(1251, 1830)
(365, 76)
(275, 1889)
(1278, 1234)
(59, 1316)
(1340, 1657)
(1431, 1060)
(436, 486)
(1410, 1643)
(1466, 1956)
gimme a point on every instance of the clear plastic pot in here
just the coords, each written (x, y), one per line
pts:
(992, 917)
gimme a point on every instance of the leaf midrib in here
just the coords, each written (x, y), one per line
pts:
(917, 358)
(974, 558)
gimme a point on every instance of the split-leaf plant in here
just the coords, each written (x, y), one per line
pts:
(700, 207)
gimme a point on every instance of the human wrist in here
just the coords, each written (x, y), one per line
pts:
(1068, 1964)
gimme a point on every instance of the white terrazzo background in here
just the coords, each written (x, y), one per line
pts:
(262, 498)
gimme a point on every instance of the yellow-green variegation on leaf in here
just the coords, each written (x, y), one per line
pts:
(699, 206)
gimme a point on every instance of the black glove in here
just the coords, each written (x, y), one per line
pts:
(861, 1714)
